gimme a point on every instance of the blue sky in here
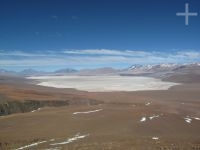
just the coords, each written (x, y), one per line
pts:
(54, 34)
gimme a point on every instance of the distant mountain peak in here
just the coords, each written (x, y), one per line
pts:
(66, 70)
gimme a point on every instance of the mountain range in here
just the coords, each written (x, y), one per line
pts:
(136, 69)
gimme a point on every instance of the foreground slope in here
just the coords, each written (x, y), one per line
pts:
(168, 119)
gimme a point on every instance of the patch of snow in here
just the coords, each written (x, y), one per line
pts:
(31, 145)
(155, 138)
(76, 137)
(188, 120)
(143, 119)
(51, 140)
(196, 118)
(147, 104)
(87, 112)
(36, 110)
(154, 116)
(149, 66)
(168, 65)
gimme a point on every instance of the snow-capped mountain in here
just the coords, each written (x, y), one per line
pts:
(152, 68)
(160, 68)
(135, 67)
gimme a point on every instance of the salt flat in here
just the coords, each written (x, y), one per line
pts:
(103, 83)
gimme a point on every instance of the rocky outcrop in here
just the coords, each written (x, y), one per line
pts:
(10, 107)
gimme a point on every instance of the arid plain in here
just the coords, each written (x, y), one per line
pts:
(68, 119)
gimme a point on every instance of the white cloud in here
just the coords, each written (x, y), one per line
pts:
(94, 57)
(17, 53)
(108, 52)
(189, 54)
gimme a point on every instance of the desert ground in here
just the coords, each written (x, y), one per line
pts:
(131, 120)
